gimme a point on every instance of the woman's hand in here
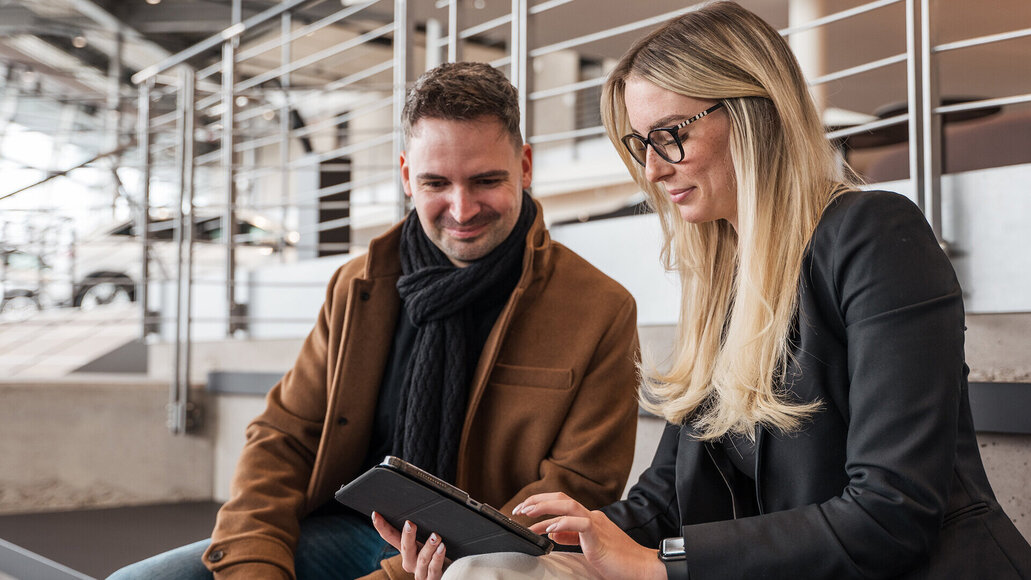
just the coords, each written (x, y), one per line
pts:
(608, 549)
(426, 562)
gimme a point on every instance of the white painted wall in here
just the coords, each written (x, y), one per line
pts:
(627, 249)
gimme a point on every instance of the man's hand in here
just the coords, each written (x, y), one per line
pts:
(425, 561)
(608, 549)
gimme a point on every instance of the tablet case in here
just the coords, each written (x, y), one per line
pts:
(399, 491)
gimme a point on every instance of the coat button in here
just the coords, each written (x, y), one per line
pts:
(341, 420)
(364, 296)
(216, 556)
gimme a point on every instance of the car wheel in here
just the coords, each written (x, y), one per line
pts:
(19, 305)
(101, 293)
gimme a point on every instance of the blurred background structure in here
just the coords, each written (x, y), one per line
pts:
(181, 177)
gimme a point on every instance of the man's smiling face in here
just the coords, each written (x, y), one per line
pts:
(466, 179)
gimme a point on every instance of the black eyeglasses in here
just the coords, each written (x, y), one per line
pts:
(664, 140)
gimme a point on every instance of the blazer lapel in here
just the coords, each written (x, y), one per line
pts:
(705, 487)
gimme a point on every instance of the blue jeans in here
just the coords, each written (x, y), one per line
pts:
(330, 546)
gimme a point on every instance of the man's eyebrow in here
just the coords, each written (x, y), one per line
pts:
(497, 173)
(430, 177)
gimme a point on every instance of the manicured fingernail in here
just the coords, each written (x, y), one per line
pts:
(440, 549)
(374, 514)
(408, 526)
(516, 509)
(434, 538)
(551, 528)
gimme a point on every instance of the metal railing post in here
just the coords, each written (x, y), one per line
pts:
(112, 118)
(454, 30)
(179, 402)
(932, 125)
(143, 217)
(914, 95)
(229, 180)
(285, 56)
(520, 61)
(402, 76)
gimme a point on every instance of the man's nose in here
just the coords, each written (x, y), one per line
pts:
(463, 206)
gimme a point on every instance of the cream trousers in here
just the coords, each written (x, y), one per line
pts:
(514, 566)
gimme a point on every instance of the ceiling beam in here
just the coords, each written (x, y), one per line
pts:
(105, 19)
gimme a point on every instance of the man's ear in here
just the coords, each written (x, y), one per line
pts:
(527, 165)
(404, 174)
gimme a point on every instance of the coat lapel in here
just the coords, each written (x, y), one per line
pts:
(535, 263)
(368, 323)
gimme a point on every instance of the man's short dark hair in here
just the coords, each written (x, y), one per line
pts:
(463, 91)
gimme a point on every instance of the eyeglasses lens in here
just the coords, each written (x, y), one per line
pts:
(666, 145)
(638, 147)
(662, 140)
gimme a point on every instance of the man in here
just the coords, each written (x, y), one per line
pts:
(465, 341)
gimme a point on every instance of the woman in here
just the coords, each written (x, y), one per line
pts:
(818, 420)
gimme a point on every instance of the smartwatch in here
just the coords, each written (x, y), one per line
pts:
(673, 556)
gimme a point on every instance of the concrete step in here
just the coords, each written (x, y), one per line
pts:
(55, 343)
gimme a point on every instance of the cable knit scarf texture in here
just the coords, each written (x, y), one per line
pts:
(438, 296)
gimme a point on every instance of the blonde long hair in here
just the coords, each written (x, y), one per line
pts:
(739, 289)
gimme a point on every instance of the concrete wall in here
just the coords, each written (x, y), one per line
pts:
(221, 355)
(233, 413)
(1006, 460)
(93, 442)
(998, 347)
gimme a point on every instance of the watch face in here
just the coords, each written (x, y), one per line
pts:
(672, 549)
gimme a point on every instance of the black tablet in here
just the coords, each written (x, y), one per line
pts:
(400, 491)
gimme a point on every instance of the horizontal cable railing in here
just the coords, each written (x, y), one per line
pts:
(837, 16)
(298, 124)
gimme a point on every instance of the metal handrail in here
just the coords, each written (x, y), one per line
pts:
(340, 83)
(859, 69)
(211, 42)
(982, 40)
(566, 135)
(499, 21)
(322, 125)
(378, 177)
(316, 158)
(870, 126)
(565, 89)
(314, 58)
(305, 30)
(837, 16)
(604, 34)
(983, 104)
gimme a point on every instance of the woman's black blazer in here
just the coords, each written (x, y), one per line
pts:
(885, 481)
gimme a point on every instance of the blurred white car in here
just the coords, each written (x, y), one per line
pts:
(107, 266)
(25, 283)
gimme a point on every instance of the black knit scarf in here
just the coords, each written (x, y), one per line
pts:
(438, 296)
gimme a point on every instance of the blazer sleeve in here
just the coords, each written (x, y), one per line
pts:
(256, 531)
(649, 512)
(902, 312)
